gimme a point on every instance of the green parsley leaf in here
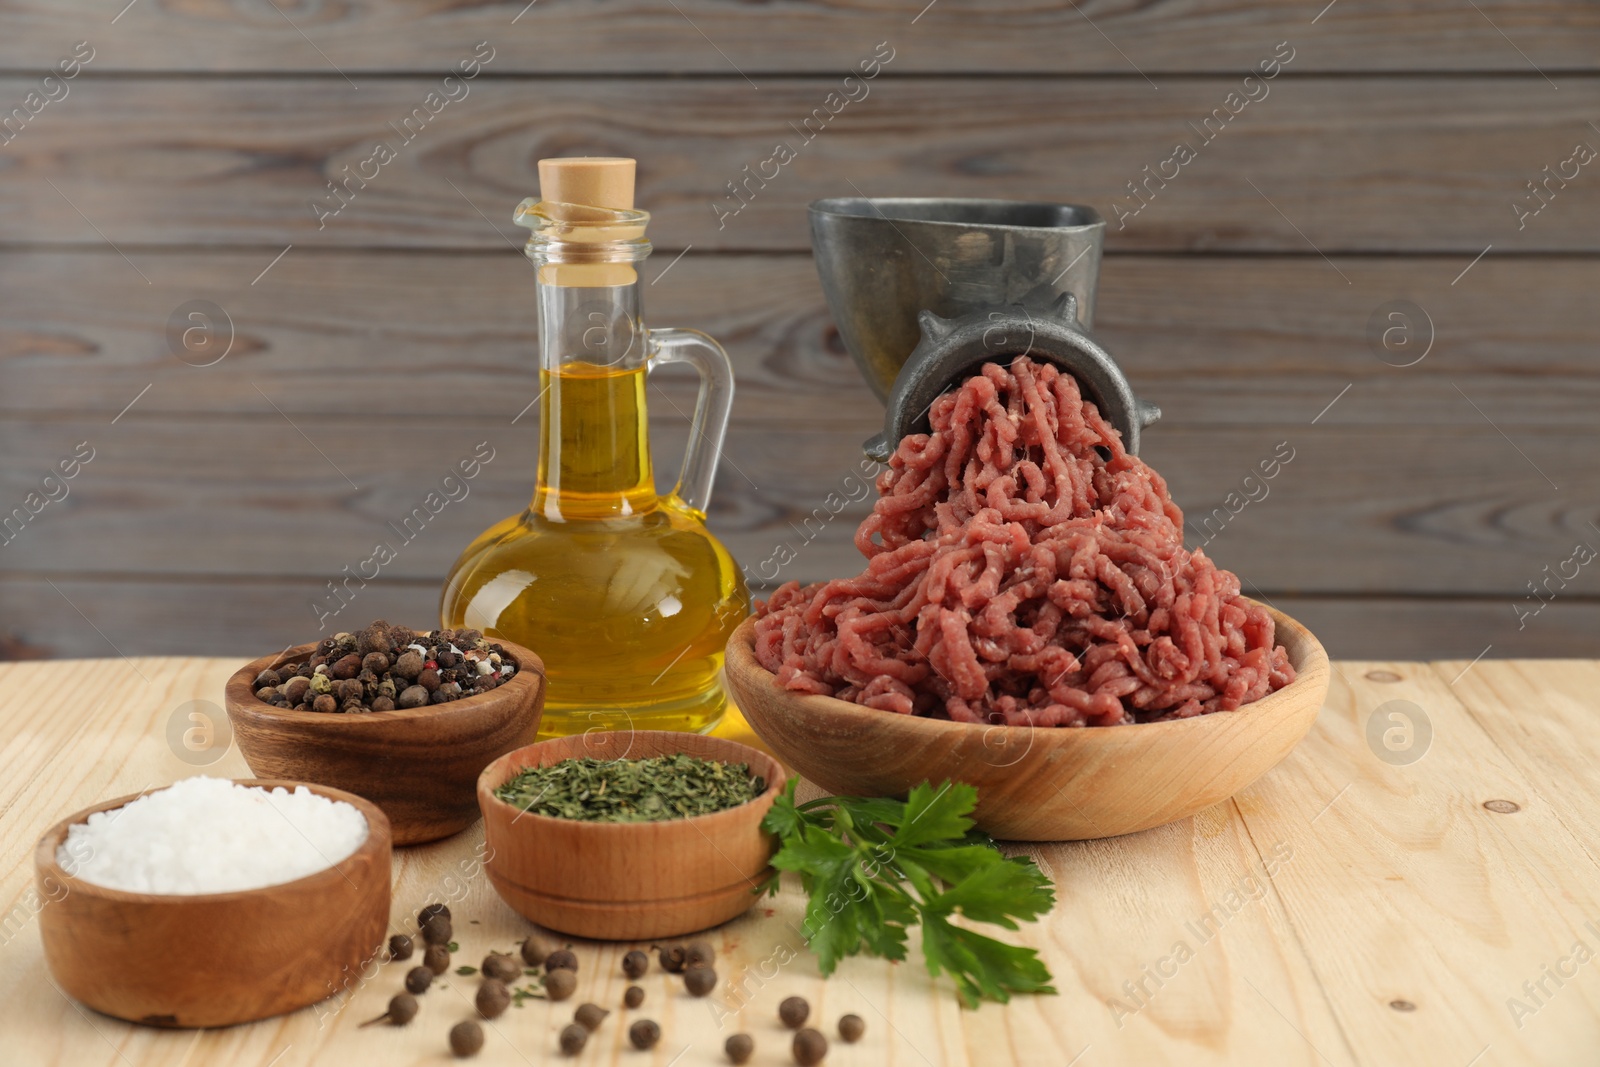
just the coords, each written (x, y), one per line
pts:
(936, 815)
(983, 968)
(998, 893)
(874, 868)
(783, 818)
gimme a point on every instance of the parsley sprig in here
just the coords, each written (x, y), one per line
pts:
(874, 868)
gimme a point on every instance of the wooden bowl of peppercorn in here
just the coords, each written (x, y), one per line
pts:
(629, 881)
(419, 764)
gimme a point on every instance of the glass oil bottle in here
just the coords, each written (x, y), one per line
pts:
(624, 593)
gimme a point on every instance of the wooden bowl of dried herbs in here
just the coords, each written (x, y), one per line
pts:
(630, 835)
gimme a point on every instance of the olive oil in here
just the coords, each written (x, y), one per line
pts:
(594, 448)
(622, 591)
(625, 595)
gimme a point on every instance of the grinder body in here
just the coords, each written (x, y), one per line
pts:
(925, 291)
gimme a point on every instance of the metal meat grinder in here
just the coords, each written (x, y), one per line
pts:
(925, 291)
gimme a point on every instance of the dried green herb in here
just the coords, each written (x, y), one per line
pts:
(632, 790)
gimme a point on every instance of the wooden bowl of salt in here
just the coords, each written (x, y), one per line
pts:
(1038, 783)
(213, 959)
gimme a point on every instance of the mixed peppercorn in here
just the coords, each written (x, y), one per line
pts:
(382, 667)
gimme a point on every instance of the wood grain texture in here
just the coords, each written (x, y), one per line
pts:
(1370, 626)
(420, 765)
(1379, 164)
(1211, 339)
(1302, 920)
(816, 36)
(1037, 784)
(1401, 928)
(195, 961)
(1556, 751)
(629, 881)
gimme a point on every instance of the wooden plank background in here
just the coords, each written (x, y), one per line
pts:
(182, 162)
(650, 37)
(1340, 164)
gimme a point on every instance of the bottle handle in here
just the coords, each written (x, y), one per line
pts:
(711, 408)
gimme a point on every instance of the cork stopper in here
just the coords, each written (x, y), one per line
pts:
(595, 181)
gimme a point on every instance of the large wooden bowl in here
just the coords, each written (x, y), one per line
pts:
(219, 958)
(1045, 783)
(420, 765)
(629, 881)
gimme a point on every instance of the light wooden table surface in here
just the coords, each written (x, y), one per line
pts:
(1347, 909)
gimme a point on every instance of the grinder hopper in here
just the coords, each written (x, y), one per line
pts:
(924, 291)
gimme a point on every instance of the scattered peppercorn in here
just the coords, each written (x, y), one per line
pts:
(562, 959)
(699, 981)
(573, 1038)
(635, 964)
(418, 979)
(590, 1016)
(466, 1038)
(633, 996)
(794, 1011)
(699, 954)
(851, 1027)
(644, 1034)
(437, 930)
(436, 959)
(810, 1047)
(534, 951)
(559, 984)
(429, 911)
(493, 998)
(498, 965)
(672, 958)
(402, 1009)
(399, 947)
(739, 1048)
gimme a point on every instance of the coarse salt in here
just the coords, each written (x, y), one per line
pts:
(209, 835)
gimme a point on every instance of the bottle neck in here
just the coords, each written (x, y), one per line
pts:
(594, 439)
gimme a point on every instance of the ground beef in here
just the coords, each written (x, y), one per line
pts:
(1024, 569)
